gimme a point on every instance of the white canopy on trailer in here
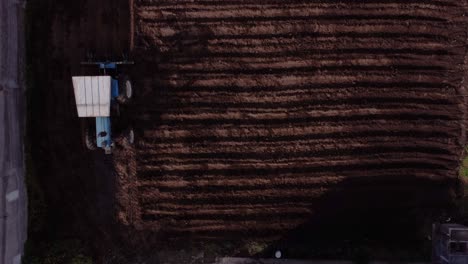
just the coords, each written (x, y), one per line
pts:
(92, 95)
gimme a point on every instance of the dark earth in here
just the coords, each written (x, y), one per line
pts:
(324, 123)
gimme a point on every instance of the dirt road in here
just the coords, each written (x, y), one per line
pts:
(13, 199)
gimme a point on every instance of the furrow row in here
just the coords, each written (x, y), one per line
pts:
(278, 132)
(329, 166)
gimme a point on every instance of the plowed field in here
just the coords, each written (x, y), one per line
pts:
(263, 116)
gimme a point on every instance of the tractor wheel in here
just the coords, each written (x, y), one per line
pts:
(130, 136)
(90, 139)
(125, 90)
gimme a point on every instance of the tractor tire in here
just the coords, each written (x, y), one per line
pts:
(90, 139)
(130, 136)
(125, 90)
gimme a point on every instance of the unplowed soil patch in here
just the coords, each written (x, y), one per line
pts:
(260, 117)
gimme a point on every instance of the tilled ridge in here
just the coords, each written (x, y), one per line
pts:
(262, 114)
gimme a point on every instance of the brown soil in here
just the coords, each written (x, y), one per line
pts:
(264, 119)
(261, 117)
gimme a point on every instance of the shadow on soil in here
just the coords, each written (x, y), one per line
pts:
(364, 221)
(361, 222)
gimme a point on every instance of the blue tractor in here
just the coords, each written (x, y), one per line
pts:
(100, 96)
